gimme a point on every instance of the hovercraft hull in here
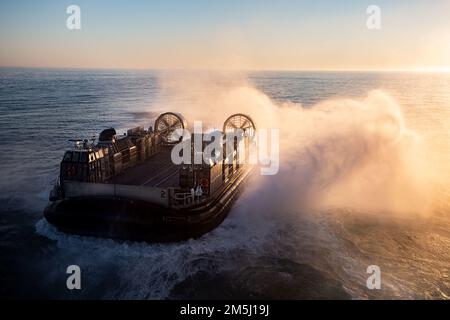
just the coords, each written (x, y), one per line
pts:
(138, 220)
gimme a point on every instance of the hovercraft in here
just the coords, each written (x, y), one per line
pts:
(128, 187)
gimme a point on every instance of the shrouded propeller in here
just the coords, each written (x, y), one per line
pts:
(167, 123)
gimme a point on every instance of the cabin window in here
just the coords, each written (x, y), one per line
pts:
(98, 171)
(76, 157)
(68, 156)
(83, 157)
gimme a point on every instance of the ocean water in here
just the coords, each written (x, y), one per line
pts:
(370, 165)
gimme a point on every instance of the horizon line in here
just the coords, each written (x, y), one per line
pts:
(411, 70)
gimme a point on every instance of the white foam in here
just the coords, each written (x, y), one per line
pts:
(151, 270)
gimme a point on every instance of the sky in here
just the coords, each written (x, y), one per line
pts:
(227, 34)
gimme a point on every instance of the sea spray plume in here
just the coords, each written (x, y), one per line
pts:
(211, 97)
(355, 154)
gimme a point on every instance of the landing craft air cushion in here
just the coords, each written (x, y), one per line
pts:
(127, 187)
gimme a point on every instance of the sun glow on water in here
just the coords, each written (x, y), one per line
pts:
(433, 69)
